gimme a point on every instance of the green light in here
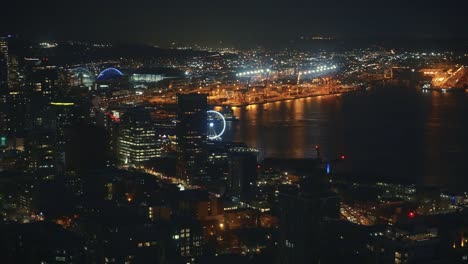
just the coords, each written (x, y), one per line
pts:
(62, 104)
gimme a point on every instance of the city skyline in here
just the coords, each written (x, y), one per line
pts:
(234, 132)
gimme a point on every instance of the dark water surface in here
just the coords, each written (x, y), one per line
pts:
(395, 134)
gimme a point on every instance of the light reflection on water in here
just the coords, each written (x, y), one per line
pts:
(392, 133)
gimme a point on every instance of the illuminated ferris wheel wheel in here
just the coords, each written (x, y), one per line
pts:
(216, 125)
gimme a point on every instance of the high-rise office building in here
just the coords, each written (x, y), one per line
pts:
(64, 113)
(304, 215)
(16, 111)
(187, 235)
(43, 80)
(86, 148)
(191, 131)
(242, 170)
(4, 120)
(40, 152)
(15, 76)
(11, 74)
(3, 63)
(137, 138)
(12, 99)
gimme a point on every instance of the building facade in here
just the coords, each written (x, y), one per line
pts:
(137, 138)
(191, 131)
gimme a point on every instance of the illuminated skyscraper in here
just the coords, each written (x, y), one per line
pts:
(191, 134)
(43, 80)
(137, 138)
(15, 110)
(40, 152)
(3, 86)
(64, 114)
(3, 63)
(12, 98)
(15, 76)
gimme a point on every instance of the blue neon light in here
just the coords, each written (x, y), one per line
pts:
(109, 73)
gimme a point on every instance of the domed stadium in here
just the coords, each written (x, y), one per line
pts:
(81, 77)
(110, 74)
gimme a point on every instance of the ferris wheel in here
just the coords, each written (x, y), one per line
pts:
(216, 125)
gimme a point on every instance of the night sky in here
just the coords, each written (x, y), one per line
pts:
(232, 22)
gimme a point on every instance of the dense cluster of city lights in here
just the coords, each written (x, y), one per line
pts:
(253, 72)
(319, 69)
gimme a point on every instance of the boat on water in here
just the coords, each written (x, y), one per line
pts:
(426, 88)
(228, 114)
